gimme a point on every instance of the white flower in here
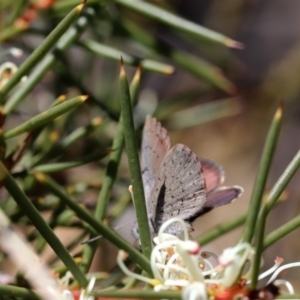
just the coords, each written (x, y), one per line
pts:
(174, 262)
(232, 260)
(177, 265)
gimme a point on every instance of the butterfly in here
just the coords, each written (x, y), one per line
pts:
(177, 183)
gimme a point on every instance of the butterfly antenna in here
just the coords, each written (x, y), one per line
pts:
(93, 239)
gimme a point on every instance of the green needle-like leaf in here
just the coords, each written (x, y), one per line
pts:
(40, 224)
(257, 220)
(41, 51)
(18, 7)
(134, 165)
(203, 113)
(62, 166)
(202, 69)
(48, 61)
(195, 65)
(9, 32)
(262, 175)
(114, 159)
(61, 6)
(111, 169)
(115, 54)
(178, 23)
(58, 148)
(81, 132)
(45, 117)
(14, 291)
(85, 216)
(274, 195)
(283, 181)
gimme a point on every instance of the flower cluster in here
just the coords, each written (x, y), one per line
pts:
(178, 264)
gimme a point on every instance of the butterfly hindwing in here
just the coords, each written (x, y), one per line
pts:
(179, 189)
(213, 173)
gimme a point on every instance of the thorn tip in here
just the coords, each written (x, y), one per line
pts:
(278, 114)
(81, 5)
(236, 44)
(137, 75)
(122, 73)
(84, 97)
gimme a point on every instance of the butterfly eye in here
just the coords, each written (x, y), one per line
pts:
(135, 232)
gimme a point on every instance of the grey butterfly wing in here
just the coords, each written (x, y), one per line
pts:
(155, 145)
(179, 189)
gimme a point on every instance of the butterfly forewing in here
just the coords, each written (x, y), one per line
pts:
(155, 145)
(179, 189)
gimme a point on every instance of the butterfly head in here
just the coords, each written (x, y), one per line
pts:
(136, 234)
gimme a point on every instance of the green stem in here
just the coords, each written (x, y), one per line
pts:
(85, 216)
(134, 165)
(220, 230)
(140, 294)
(261, 178)
(259, 238)
(281, 232)
(259, 186)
